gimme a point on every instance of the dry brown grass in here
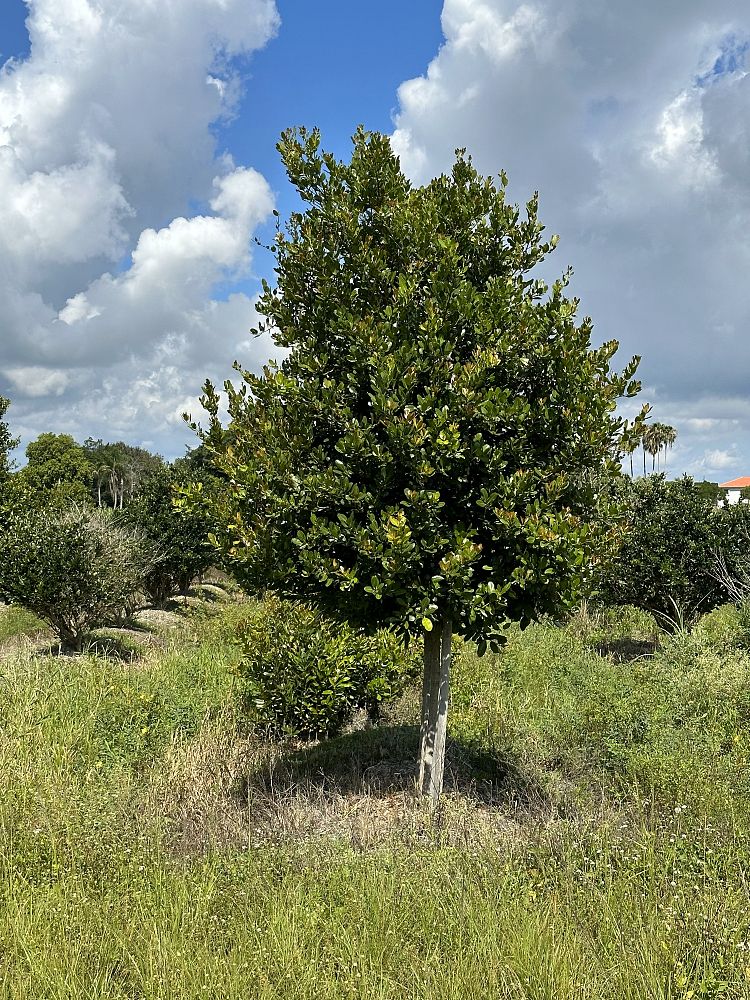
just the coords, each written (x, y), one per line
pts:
(19, 645)
(220, 792)
(160, 620)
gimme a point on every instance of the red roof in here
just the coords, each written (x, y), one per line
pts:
(736, 484)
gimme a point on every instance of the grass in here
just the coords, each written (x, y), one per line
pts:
(15, 621)
(593, 842)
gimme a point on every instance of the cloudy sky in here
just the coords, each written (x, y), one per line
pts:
(137, 164)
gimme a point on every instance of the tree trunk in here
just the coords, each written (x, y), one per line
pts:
(70, 641)
(437, 665)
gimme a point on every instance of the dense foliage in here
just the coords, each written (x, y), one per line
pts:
(57, 469)
(178, 537)
(303, 674)
(429, 447)
(75, 567)
(674, 536)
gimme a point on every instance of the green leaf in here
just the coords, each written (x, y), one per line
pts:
(440, 425)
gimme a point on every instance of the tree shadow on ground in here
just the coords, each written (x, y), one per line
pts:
(119, 645)
(627, 649)
(382, 760)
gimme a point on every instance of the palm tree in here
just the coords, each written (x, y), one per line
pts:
(655, 437)
(101, 476)
(668, 439)
(629, 448)
(651, 444)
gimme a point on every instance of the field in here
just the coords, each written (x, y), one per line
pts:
(594, 841)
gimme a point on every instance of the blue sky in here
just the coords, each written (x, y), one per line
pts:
(333, 65)
(14, 39)
(137, 167)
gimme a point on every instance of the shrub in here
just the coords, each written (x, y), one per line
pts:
(666, 559)
(179, 537)
(726, 627)
(302, 674)
(612, 624)
(75, 568)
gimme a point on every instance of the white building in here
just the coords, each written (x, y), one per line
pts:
(734, 489)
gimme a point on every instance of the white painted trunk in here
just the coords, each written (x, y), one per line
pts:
(435, 688)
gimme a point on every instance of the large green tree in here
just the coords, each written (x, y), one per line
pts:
(430, 452)
(57, 469)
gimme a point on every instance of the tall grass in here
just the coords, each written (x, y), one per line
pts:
(15, 621)
(593, 842)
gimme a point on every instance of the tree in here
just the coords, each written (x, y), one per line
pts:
(178, 537)
(57, 469)
(428, 453)
(653, 438)
(75, 568)
(668, 438)
(709, 491)
(629, 449)
(651, 443)
(672, 532)
(118, 470)
(7, 442)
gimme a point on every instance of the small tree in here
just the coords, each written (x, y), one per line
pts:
(179, 537)
(672, 533)
(428, 453)
(302, 674)
(75, 568)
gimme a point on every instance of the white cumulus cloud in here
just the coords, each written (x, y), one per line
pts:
(633, 123)
(109, 311)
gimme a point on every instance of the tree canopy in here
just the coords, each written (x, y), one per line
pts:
(430, 452)
(57, 468)
(7, 441)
